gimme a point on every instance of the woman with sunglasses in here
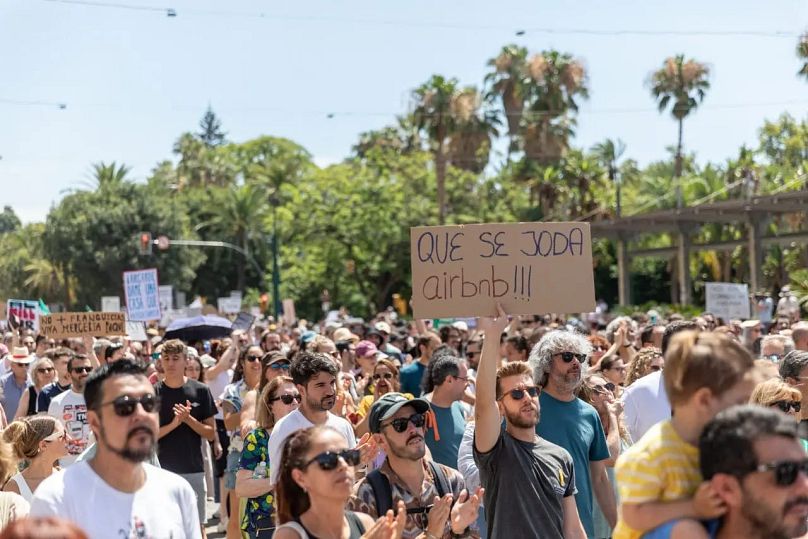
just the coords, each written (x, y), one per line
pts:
(384, 380)
(38, 442)
(239, 420)
(43, 373)
(648, 360)
(277, 399)
(315, 483)
(778, 395)
(613, 370)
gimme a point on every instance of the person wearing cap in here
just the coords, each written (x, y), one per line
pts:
(427, 489)
(751, 334)
(380, 335)
(16, 381)
(366, 357)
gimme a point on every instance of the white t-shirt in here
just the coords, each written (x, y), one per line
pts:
(645, 404)
(217, 386)
(69, 408)
(293, 422)
(164, 507)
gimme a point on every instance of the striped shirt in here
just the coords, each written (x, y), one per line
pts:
(661, 467)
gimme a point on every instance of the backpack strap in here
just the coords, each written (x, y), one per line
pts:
(441, 481)
(381, 491)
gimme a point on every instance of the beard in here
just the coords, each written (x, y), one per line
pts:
(322, 405)
(765, 521)
(569, 381)
(517, 420)
(407, 451)
(134, 455)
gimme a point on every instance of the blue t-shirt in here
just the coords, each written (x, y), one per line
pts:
(451, 425)
(410, 376)
(576, 427)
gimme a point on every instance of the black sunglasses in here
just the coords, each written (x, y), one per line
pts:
(252, 359)
(785, 471)
(329, 460)
(785, 406)
(280, 365)
(400, 425)
(519, 394)
(386, 376)
(44, 370)
(287, 399)
(125, 405)
(471, 354)
(569, 356)
(82, 370)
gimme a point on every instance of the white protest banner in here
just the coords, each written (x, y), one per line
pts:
(229, 305)
(81, 324)
(110, 304)
(180, 300)
(237, 294)
(26, 310)
(727, 300)
(166, 293)
(530, 268)
(142, 295)
(136, 331)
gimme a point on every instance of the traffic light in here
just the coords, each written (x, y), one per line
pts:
(145, 243)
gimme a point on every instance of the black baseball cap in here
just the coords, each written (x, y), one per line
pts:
(390, 403)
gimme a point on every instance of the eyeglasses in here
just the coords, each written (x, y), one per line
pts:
(280, 366)
(400, 425)
(287, 398)
(82, 370)
(599, 349)
(604, 389)
(253, 359)
(569, 356)
(386, 376)
(329, 460)
(45, 370)
(785, 471)
(125, 405)
(785, 406)
(519, 394)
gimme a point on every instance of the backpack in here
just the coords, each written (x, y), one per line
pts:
(384, 493)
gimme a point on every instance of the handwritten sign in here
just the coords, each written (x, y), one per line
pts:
(136, 331)
(110, 304)
(727, 300)
(166, 293)
(142, 295)
(530, 268)
(26, 310)
(82, 324)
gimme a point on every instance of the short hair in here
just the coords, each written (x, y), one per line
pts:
(514, 368)
(175, 346)
(611, 328)
(74, 358)
(554, 342)
(36, 364)
(727, 442)
(318, 341)
(93, 394)
(773, 390)
(444, 366)
(675, 327)
(647, 334)
(518, 342)
(697, 360)
(787, 342)
(793, 364)
(61, 351)
(306, 365)
(799, 330)
(425, 339)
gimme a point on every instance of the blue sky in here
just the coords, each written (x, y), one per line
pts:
(133, 80)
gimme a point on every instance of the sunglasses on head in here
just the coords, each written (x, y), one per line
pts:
(253, 359)
(785, 406)
(386, 376)
(519, 394)
(400, 425)
(125, 405)
(82, 370)
(287, 398)
(329, 460)
(785, 471)
(55, 435)
(280, 365)
(569, 356)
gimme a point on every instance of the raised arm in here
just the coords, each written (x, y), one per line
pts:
(486, 411)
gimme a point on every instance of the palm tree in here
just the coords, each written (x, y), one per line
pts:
(470, 143)
(684, 84)
(802, 54)
(507, 82)
(609, 153)
(108, 177)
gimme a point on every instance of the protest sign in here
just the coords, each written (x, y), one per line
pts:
(142, 295)
(166, 293)
(229, 305)
(26, 311)
(289, 314)
(93, 324)
(530, 268)
(243, 321)
(110, 304)
(136, 331)
(727, 300)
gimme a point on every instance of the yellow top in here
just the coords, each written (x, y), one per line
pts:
(660, 467)
(367, 401)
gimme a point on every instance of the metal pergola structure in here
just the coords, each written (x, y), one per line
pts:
(753, 212)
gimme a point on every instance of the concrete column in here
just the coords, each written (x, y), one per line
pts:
(623, 274)
(754, 230)
(683, 265)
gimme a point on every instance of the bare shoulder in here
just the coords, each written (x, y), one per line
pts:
(11, 486)
(285, 533)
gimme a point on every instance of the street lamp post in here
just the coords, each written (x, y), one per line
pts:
(276, 276)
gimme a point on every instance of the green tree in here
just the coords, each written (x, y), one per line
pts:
(211, 133)
(506, 82)
(609, 153)
(9, 221)
(682, 84)
(802, 54)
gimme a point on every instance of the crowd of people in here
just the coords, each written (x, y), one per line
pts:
(504, 427)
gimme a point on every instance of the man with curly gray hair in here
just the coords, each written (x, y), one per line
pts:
(558, 362)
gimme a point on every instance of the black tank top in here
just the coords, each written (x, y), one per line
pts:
(32, 396)
(355, 525)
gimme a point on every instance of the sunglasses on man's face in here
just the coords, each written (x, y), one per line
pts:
(125, 405)
(82, 370)
(785, 471)
(519, 394)
(329, 460)
(400, 425)
(470, 354)
(785, 406)
(287, 398)
(567, 357)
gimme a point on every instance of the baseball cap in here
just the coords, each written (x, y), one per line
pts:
(383, 327)
(21, 355)
(275, 357)
(390, 403)
(366, 348)
(345, 334)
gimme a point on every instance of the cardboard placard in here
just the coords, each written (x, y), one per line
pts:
(142, 295)
(94, 324)
(110, 304)
(26, 310)
(530, 268)
(727, 300)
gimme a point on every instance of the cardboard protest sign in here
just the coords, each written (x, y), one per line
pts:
(26, 311)
(110, 304)
(530, 268)
(142, 295)
(94, 324)
(727, 300)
